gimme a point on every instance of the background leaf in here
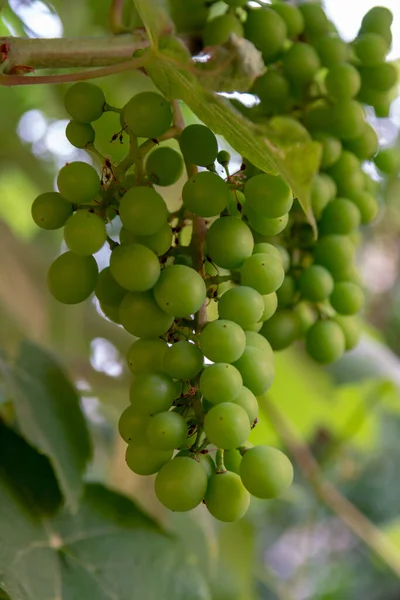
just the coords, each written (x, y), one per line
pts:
(155, 16)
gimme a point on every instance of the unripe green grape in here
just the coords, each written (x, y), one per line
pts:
(378, 20)
(164, 166)
(352, 330)
(247, 400)
(146, 356)
(131, 425)
(266, 472)
(292, 16)
(205, 460)
(262, 272)
(266, 248)
(141, 316)
(159, 242)
(332, 51)
(343, 82)
(301, 63)
(180, 291)
(198, 145)
(316, 22)
(256, 340)
(347, 298)
(335, 253)
(365, 146)
(205, 194)
(218, 30)
(347, 174)
(148, 115)
(183, 360)
(85, 233)
(78, 182)
(331, 148)
(142, 459)
(322, 191)
(232, 460)
(84, 102)
(270, 306)
(134, 267)
(318, 118)
(226, 498)
(305, 316)
(382, 77)
(72, 278)
(347, 120)
(325, 342)
(111, 311)
(220, 382)
(166, 431)
(143, 211)
(50, 210)
(273, 89)
(287, 291)
(107, 290)
(316, 283)
(380, 101)
(281, 330)
(257, 370)
(152, 393)
(255, 326)
(367, 205)
(223, 157)
(229, 242)
(241, 304)
(388, 161)
(267, 30)
(264, 225)
(79, 134)
(285, 257)
(268, 195)
(370, 49)
(340, 216)
(181, 484)
(227, 425)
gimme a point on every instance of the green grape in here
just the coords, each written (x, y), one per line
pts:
(370, 49)
(207, 463)
(347, 298)
(183, 361)
(266, 30)
(222, 341)
(205, 194)
(343, 82)
(220, 382)
(152, 393)
(270, 306)
(388, 161)
(218, 30)
(347, 174)
(226, 498)
(346, 119)
(340, 216)
(78, 182)
(107, 290)
(322, 192)
(262, 272)
(255, 326)
(167, 430)
(367, 205)
(255, 340)
(198, 145)
(268, 195)
(79, 134)
(85, 233)
(352, 330)
(266, 472)
(365, 146)
(223, 157)
(266, 248)
(332, 51)
(131, 425)
(142, 459)
(257, 370)
(143, 211)
(84, 102)
(181, 484)
(316, 22)
(285, 257)
(134, 267)
(325, 342)
(159, 242)
(247, 400)
(164, 166)
(141, 316)
(264, 225)
(232, 460)
(180, 291)
(287, 291)
(146, 356)
(111, 311)
(229, 242)
(380, 101)
(148, 115)
(281, 330)
(316, 283)
(378, 20)
(241, 304)
(227, 425)
(72, 278)
(273, 89)
(335, 253)
(382, 78)
(331, 148)
(301, 63)
(50, 210)
(305, 317)
(292, 16)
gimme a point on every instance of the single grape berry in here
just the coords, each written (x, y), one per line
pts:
(85, 233)
(335, 253)
(342, 82)
(143, 211)
(181, 484)
(263, 272)
(370, 49)
(134, 267)
(292, 16)
(78, 182)
(257, 370)
(282, 329)
(146, 356)
(268, 195)
(222, 341)
(227, 425)
(267, 30)
(226, 498)
(266, 472)
(223, 157)
(316, 283)
(164, 166)
(107, 290)
(325, 342)
(159, 242)
(270, 306)
(232, 460)
(131, 424)
(79, 134)
(183, 360)
(72, 278)
(264, 225)
(152, 393)
(301, 63)
(50, 210)
(85, 102)
(241, 304)
(180, 291)
(352, 329)
(247, 400)
(218, 30)
(347, 298)
(220, 382)
(229, 242)
(148, 115)
(205, 194)
(142, 459)
(141, 316)
(167, 430)
(198, 145)
(340, 216)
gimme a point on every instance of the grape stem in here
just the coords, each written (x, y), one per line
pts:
(219, 461)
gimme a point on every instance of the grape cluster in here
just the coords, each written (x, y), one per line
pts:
(212, 290)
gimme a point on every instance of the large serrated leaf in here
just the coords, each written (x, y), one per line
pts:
(155, 17)
(296, 163)
(49, 416)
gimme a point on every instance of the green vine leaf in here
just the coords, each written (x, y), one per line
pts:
(155, 17)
